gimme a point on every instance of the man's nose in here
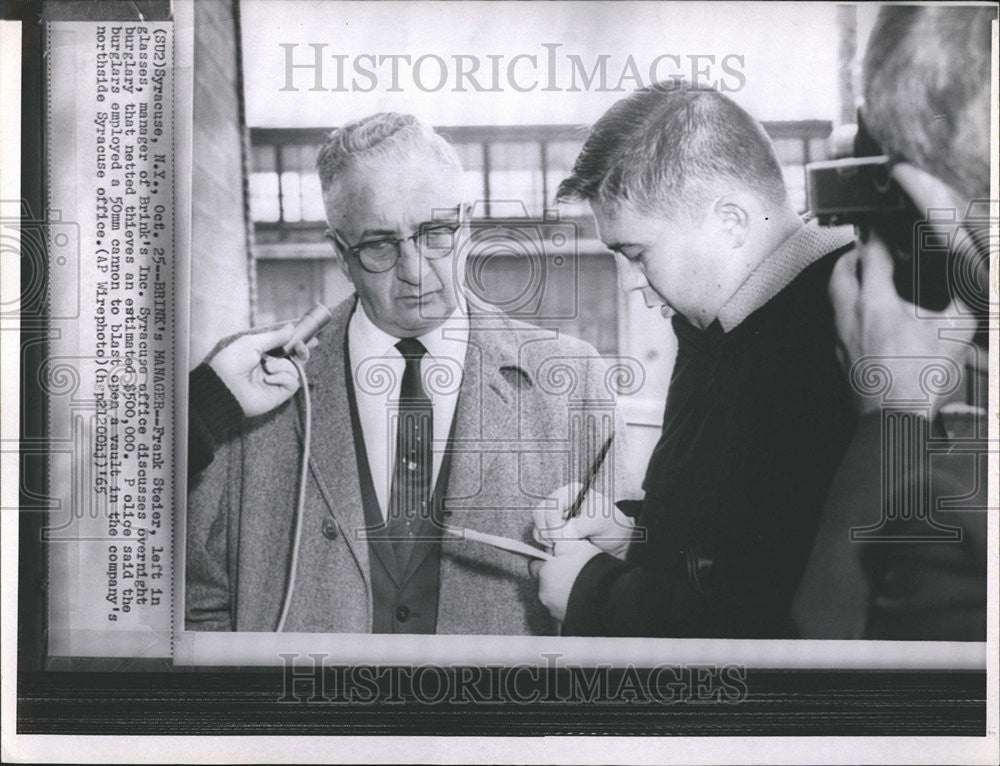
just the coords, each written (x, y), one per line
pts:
(410, 266)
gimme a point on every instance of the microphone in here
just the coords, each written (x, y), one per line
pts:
(305, 329)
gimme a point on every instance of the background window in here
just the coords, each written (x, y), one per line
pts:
(514, 172)
(515, 175)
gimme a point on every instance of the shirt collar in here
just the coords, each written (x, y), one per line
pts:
(806, 245)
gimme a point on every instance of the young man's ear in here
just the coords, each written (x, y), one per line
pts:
(731, 215)
(338, 254)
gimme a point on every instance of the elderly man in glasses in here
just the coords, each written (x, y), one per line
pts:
(431, 412)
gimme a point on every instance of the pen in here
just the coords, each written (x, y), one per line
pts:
(574, 510)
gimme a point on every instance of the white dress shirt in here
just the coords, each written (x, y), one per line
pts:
(377, 368)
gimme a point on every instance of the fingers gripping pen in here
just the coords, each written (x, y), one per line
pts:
(305, 330)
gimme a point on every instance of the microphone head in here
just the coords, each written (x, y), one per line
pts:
(308, 326)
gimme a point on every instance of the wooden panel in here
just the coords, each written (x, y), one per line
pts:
(220, 283)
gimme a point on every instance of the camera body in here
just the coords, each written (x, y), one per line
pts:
(853, 191)
(860, 191)
(963, 240)
(526, 266)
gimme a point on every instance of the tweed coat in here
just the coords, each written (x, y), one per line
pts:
(517, 437)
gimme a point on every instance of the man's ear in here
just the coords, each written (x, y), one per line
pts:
(338, 254)
(731, 216)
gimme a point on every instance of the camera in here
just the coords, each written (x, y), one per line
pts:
(526, 266)
(48, 250)
(860, 191)
(853, 191)
(963, 241)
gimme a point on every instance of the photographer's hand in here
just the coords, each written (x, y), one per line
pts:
(257, 381)
(873, 321)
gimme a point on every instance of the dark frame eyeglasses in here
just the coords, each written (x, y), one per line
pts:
(433, 240)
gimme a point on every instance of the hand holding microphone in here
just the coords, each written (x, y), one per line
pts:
(255, 368)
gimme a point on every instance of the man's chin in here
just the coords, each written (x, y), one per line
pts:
(426, 316)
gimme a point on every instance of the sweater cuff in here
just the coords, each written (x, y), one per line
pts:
(631, 508)
(214, 404)
(583, 610)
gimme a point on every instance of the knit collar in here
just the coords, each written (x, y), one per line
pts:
(774, 273)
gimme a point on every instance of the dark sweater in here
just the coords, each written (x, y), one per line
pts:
(756, 422)
(214, 417)
(919, 573)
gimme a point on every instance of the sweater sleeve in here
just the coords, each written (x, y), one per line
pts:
(656, 591)
(214, 416)
(882, 566)
(833, 598)
(592, 610)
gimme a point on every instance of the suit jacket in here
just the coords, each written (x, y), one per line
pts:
(523, 394)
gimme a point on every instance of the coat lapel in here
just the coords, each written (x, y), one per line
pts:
(333, 462)
(486, 414)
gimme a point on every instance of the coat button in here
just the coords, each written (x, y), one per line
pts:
(402, 613)
(330, 531)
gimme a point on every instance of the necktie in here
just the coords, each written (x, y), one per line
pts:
(409, 497)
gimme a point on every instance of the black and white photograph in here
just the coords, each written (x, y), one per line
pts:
(515, 382)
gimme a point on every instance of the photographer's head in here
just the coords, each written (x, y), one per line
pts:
(927, 106)
(392, 193)
(686, 189)
(927, 91)
(926, 85)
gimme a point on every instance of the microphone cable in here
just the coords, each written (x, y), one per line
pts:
(300, 498)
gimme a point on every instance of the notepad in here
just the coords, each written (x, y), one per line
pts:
(503, 543)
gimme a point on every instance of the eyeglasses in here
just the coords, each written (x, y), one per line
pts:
(434, 239)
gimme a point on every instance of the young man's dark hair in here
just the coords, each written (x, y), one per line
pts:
(669, 147)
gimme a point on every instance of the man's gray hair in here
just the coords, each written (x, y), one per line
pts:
(927, 91)
(385, 136)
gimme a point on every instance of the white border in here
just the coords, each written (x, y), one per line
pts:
(10, 374)
(263, 649)
(993, 467)
(512, 750)
(183, 18)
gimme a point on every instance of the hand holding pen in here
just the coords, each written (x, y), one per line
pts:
(577, 511)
